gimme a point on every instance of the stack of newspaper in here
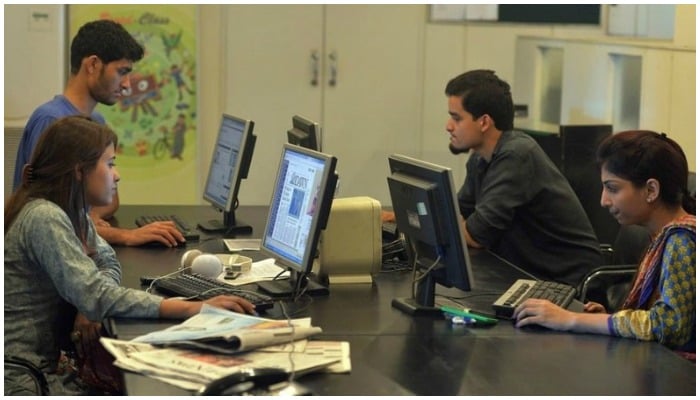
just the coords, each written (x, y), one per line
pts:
(217, 342)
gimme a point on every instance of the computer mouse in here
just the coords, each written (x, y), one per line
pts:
(245, 381)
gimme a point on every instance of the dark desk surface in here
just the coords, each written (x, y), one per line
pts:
(395, 354)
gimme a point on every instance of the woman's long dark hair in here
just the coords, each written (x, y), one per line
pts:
(641, 155)
(68, 145)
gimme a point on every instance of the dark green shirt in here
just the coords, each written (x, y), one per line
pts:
(521, 207)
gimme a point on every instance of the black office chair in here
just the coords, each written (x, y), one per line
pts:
(610, 283)
(13, 363)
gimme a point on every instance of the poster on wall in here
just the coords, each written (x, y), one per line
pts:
(156, 120)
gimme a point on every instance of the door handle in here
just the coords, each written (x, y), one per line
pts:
(314, 67)
(333, 68)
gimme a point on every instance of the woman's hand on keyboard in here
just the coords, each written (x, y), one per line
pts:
(165, 232)
(544, 313)
(233, 303)
(175, 308)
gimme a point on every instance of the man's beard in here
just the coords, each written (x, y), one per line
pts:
(455, 150)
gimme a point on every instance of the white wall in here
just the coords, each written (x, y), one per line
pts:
(35, 49)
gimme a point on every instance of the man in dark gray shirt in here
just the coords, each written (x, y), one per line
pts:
(514, 199)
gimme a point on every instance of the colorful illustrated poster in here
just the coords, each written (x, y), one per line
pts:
(156, 121)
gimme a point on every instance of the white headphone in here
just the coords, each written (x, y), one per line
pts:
(212, 264)
(203, 264)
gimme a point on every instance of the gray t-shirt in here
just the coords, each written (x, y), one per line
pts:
(521, 207)
(48, 276)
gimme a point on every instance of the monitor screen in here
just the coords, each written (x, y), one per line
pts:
(304, 133)
(425, 205)
(230, 162)
(299, 208)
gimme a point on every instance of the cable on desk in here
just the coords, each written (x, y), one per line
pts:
(291, 343)
(179, 270)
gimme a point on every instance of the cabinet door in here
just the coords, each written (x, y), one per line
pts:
(374, 108)
(268, 73)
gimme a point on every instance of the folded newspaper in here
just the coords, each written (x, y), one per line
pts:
(227, 332)
(204, 359)
(190, 370)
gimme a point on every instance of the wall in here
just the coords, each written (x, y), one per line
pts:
(449, 50)
(34, 57)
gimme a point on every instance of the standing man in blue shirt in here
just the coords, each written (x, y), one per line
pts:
(514, 200)
(102, 55)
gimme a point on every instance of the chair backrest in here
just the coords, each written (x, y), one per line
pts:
(630, 245)
(25, 367)
(609, 284)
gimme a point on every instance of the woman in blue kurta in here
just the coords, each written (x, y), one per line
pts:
(645, 182)
(61, 277)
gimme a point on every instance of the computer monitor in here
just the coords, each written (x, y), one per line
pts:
(230, 162)
(425, 206)
(299, 209)
(304, 133)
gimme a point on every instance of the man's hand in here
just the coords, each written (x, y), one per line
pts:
(388, 216)
(164, 232)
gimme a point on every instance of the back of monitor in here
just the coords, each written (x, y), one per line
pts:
(351, 246)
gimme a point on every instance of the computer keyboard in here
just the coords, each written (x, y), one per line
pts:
(560, 294)
(184, 228)
(203, 287)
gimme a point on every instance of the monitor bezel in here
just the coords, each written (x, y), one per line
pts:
(237, 175)
(300, 270)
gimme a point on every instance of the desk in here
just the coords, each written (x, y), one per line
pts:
(394, 354)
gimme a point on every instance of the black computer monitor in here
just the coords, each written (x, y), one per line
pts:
(425, 205)
(304, 133)
(230, 162)
(299, 209)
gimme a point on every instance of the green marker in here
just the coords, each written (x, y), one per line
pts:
(465, 313)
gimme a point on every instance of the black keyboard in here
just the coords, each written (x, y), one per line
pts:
(184, 228)
(560, 294)
(203, 287)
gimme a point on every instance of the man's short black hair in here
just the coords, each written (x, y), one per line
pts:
(106, 39)
(483, 92)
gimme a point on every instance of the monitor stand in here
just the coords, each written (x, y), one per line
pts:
(229, 226)
(423, 304)
(286, 287)
(410, 306)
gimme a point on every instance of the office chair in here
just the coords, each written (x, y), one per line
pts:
(26, 367)
(610, 283)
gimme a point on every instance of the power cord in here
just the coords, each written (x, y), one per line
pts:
(292, 373)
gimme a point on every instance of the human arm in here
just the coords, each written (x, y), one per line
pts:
(467, 237)
(180, 309)
(466, 199)
(164, 232)
(671, 318)
(545, 313)
(500, 188)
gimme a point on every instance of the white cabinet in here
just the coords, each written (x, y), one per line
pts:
(355, 69)
(631, 85)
